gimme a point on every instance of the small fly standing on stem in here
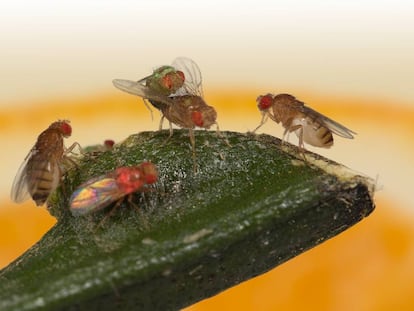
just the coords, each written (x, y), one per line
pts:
(310, 126)
(99, 192)
(185, 107)
(42, 169)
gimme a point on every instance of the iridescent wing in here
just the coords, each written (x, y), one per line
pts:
(20, 190)
(136, 88)
(334, 126)
(193, 81)
(93, 195)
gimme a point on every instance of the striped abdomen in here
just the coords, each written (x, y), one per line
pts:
(313, 133)
(43, 178)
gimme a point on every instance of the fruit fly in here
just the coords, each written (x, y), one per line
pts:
(310, 126)
(165, 80)
(186, 107)
(42, 169)
(97, 193)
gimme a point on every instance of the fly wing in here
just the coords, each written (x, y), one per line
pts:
(334, 126)
(193, 81)
(136, 88)
(143, 80)
(20, 190)
(93, 195)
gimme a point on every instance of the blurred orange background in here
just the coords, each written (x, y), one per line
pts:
(351, 62)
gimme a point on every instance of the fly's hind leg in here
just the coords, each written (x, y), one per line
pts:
(171, 132)
(219, 134)
(139, 210)
(192, 140)
(161, 122)
(289, 130)
(300, 136)
(111, 212)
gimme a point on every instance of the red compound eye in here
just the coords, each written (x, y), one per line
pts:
(197, 118)
(181, 74)
(150, 172)
(109, 143)
(150, 178)
(66, 129)
(166, 81)
(264, 102)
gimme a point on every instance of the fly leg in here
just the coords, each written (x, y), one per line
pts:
(171, 132)
(300, 136)
(263, 121)
(149, 108)
(221, 135)
(71, 147)
(139, 211)
(68, 162)
(192, 140)
(111, 212)
(161, 122)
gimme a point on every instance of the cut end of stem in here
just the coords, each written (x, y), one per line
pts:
(249, 208)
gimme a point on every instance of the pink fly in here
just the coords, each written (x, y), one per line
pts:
(97, 193)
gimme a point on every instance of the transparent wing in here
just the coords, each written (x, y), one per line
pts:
(136, 88)
(142, 81)
(334, 126)
(94, 195)
(20, 190)
(193, 81)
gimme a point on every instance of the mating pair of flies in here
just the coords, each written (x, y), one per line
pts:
(176, 91)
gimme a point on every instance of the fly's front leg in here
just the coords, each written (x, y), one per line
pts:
(263, 121)
(71, 147)
(71, 159)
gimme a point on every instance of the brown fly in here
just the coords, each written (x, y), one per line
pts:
(310, 126)
(42, 169)
(186, 107)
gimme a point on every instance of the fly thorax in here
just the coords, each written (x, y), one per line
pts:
(281, 114)
(129, 180)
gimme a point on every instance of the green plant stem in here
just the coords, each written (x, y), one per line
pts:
(249, 208)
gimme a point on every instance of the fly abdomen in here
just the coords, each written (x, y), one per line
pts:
(325, 137)
(43, 178)
(313, 133)
(40, 185)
